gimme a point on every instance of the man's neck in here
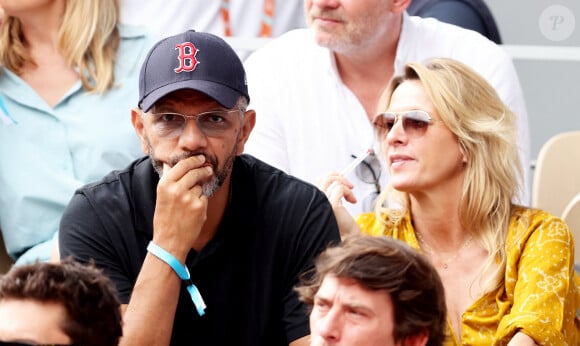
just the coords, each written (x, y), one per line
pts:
(367, 70)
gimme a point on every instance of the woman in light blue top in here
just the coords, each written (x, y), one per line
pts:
(68, 78)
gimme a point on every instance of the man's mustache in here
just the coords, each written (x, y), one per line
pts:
(326, 14)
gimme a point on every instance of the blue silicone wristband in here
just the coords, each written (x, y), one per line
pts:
(182, 272)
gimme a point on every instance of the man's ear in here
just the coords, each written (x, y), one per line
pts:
(137, 121)
(247, 127)
(420, 339)
(399, 6)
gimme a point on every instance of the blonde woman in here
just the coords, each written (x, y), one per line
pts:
(449, 145)
(68, 74)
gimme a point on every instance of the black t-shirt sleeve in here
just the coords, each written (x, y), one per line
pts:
(84, 237)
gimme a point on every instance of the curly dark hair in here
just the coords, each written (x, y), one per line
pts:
(89, 297)
(384, 263)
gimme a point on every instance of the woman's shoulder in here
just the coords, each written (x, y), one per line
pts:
(370, 224)
(528, 222)
(135, 38)
(134, 45)
(132, 32)
(531, 217)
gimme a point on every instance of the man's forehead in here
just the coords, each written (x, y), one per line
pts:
(331, 284)
(187, 97)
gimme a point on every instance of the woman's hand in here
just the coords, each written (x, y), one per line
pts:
(336, 187)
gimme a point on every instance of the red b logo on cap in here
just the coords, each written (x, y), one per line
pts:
(186, 57)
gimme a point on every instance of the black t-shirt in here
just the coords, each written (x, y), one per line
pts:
(272, 229)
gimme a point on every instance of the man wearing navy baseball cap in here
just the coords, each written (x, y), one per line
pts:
(204, 244)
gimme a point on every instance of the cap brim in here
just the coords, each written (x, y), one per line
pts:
(224, 95)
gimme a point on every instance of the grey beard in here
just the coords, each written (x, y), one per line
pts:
(217, 179)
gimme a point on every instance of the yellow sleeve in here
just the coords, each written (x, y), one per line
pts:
(540, 281)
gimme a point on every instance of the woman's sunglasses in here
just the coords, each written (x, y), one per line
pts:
(414, 122)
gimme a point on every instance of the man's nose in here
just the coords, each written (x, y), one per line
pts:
(325, 4)
(331, 324)
(192, 138)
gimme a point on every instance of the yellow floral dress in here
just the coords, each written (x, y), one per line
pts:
(540, 295)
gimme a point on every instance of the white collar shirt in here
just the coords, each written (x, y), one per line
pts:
(309, 123)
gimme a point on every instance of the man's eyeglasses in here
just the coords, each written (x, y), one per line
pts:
(414, 122)
(213, 123)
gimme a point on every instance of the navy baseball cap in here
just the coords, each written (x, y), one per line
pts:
(192, 60)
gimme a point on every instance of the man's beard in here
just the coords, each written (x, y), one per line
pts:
(218, 177)
(352, 34)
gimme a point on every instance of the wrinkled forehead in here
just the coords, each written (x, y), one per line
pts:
(34, 321)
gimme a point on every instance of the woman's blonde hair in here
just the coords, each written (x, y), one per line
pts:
(485, 129)
(88, 38)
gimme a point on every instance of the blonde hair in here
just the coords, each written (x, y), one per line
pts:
(88, 38)
(485, 129)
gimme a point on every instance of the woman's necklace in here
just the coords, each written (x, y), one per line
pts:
(444, 261)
